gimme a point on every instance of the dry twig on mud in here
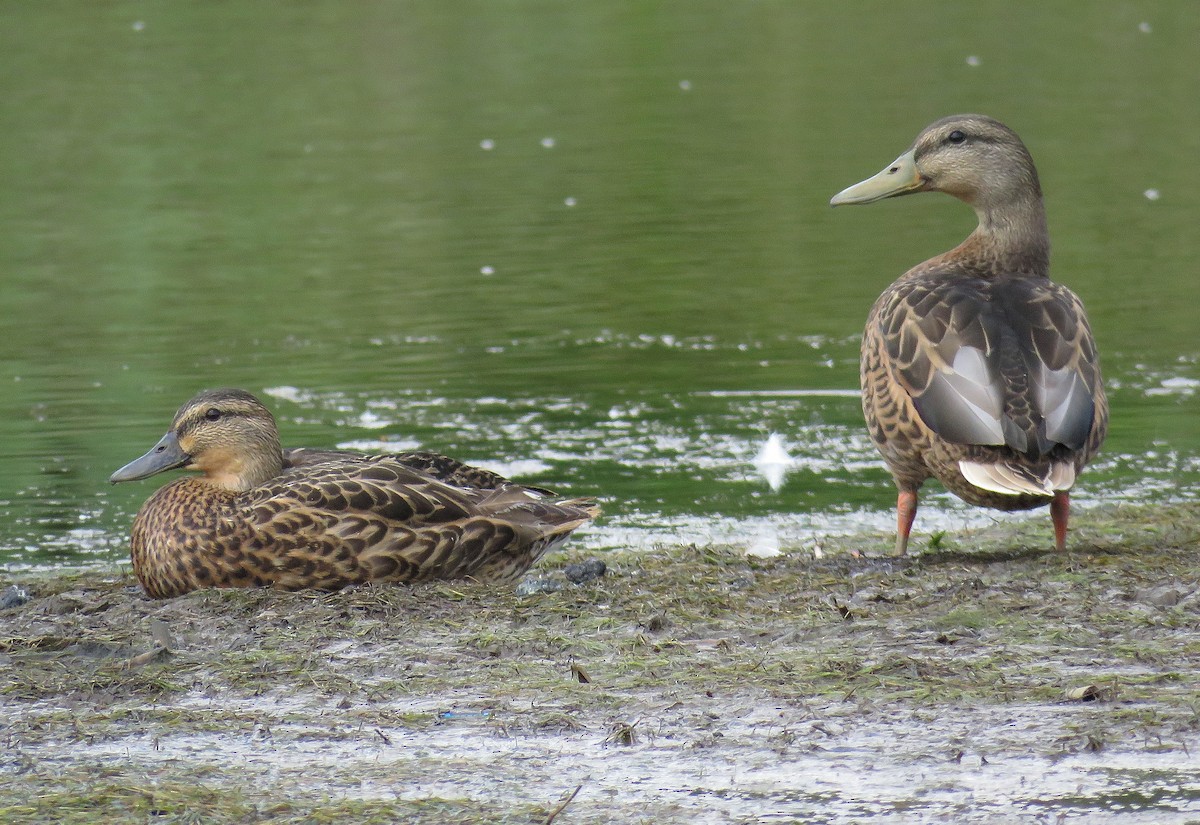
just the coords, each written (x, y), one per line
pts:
(562, 805)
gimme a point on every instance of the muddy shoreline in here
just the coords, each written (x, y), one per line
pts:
(986, 679)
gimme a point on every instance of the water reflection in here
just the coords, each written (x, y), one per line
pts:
(671, 467)
(298, 197)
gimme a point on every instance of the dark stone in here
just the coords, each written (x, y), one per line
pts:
(1168, 595)
(657, 623)
(585, 571)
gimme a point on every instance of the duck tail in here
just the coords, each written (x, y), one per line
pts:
(1010, 479)
(540, 525)
(587, 506)
(549, 517)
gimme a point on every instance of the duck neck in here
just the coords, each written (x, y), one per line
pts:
(240, 471)
(259, 468)
(1011, 237)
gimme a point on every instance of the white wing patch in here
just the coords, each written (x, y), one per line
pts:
(970, 363)
(964, 403)
(1066, 405)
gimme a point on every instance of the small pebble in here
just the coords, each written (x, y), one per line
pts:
(532, 587)
(14, 596)
(1162, 596)
(465, 714)
(585, 571)
(657, 622)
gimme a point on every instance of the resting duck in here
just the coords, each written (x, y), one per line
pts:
(262, 516)
(977, 369)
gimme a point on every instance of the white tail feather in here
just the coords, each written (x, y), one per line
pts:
(1062, 476)
(1010, 480)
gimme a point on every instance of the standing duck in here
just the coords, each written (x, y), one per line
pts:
(262, 516)
(977, 369)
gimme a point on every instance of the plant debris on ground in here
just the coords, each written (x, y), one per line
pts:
(984, 675)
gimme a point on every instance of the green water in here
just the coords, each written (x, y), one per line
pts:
(587, 243)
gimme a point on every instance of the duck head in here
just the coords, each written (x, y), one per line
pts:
(227, 434)
(979, 161)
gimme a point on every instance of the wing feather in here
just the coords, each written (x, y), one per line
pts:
(346, 518)
(993, 361)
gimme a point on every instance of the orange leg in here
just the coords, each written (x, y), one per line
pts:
(906, 512)
(1060, 508)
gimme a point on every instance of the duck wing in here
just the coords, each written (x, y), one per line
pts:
(337, 522)
(437, 466)
(988, 361)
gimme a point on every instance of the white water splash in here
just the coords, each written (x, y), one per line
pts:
(773, 461)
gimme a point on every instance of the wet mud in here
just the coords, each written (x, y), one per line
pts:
(984, 679)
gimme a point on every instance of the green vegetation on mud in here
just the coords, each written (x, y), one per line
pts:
(98, 681)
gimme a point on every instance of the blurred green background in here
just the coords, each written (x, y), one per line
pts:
(583, 242)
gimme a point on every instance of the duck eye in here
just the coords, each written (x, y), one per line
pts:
(213, 414)
(956, 137)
